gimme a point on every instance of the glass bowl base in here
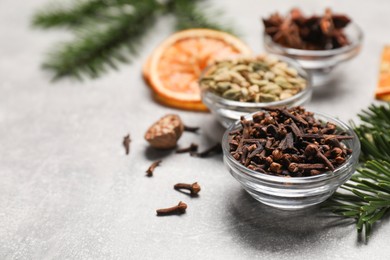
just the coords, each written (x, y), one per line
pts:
(320, 77)
(293, 203)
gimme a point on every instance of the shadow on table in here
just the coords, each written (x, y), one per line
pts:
(266, 228)
(331, 89)
(153, 154)
(212, 130)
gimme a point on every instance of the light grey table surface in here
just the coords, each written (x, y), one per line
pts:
(67, 191)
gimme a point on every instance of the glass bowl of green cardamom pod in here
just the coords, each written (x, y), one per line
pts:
(283, 189)
(234, 87)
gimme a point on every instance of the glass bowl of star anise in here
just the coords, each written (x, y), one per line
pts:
(319, 43)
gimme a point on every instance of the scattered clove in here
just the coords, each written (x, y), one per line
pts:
(192, 148)
(288, 142)
(216, 149)
(192, 129)
(150, 170)
(126, 143)
(194, 188)
(175, 210)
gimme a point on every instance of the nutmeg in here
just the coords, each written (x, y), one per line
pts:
(165, 133)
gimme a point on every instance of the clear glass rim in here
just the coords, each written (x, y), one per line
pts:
(281, 179)
(316, 53)
(227, 102)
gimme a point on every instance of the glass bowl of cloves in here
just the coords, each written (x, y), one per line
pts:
(290, 158)
(234, 87)
(319, 43)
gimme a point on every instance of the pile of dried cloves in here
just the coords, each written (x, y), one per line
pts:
(308, 32)
(288, 142)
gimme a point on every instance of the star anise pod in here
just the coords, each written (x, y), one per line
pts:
(272, 24)
(288, 34)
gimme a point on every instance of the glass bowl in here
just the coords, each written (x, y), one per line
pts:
(229, 111)
(320, 63)
(291, 193)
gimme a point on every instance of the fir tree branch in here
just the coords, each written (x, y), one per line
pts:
(79, 13)
(57, 15)
(108, 32)
(377, 116)
(367, 197)
(189, 14)
(97, 49)
(374, 132)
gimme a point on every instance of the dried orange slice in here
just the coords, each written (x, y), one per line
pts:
(383, 88)
(174, 68)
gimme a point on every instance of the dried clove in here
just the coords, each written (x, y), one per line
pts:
(288, 142)
(216, 149)
(294, 167)
(175, 210)
(332, 137)
(194, 188)
(275, 167)
(150, 170)
(312, 150)
(126, 143)
(192, 148)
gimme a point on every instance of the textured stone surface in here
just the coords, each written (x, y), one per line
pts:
(68, 190)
